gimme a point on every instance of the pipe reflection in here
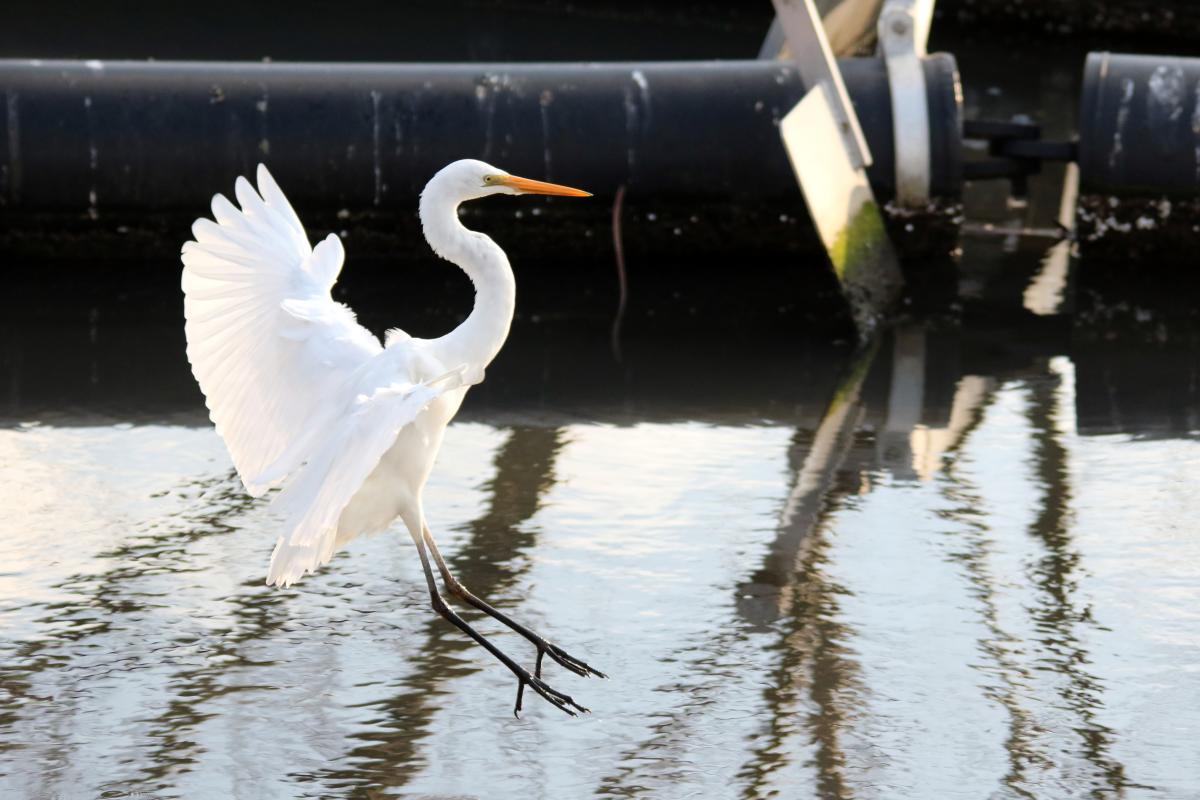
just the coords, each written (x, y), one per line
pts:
(490, 562)
(1055, 577)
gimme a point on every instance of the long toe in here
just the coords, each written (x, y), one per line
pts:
(568, 661)
(563, 702)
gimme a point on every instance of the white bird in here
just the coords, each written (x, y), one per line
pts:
(300, 391)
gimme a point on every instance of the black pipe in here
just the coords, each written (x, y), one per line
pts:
(90, 136)
(1138, 208)
(1139, 126)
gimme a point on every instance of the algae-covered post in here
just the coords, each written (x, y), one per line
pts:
(829, 155)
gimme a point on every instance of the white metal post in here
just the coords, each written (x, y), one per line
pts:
(829, 155)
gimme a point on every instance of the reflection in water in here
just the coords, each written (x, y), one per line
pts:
(1051, 654)
(813, 670)
(815, 654)
(491, 562)
(817, 672)
(93, 633)
(768, 594)
(1056, 613)
(811, 696)
(964, 565)
(892, 596)
(1010, 681)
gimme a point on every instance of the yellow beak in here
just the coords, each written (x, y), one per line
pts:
(527, 186)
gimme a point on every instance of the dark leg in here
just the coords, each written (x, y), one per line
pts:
(557, 654)
(552, 696)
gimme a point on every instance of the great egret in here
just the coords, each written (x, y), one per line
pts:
(296, 387)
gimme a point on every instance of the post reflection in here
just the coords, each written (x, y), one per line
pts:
(490, 562)
(793, 597)
(1057, 613)
(1042, 653)
(973, 554)
(926, 573)
(889, 404)
(767, 595)
(815, 693)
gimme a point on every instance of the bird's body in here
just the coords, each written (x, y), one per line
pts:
(302, 393)
(394, 484)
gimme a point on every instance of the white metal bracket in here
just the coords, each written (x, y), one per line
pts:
(774, 44)
(809, 48)
(903, 31)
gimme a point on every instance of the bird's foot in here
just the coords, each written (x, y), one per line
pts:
(563, 659)
(561, 701)
(556, 653)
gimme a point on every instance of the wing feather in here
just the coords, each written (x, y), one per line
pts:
(276, 199)
(269, 376)
(294, 385)
(314, 500)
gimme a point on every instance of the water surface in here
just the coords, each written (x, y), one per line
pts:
(960, 566)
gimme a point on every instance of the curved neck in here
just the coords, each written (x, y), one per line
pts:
(477, 340)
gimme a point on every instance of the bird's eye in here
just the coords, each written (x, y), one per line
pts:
(488, 180)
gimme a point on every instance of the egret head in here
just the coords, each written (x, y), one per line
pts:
(470, 179)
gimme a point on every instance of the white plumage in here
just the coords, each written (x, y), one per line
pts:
(290, 376)
(306, 397)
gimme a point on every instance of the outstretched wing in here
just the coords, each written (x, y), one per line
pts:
(273, 353)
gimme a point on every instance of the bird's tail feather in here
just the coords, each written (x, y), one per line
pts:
(290, 562)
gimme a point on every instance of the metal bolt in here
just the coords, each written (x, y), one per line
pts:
(900, 26)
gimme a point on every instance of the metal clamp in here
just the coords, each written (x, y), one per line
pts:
(903, 30)
(1016, 151)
